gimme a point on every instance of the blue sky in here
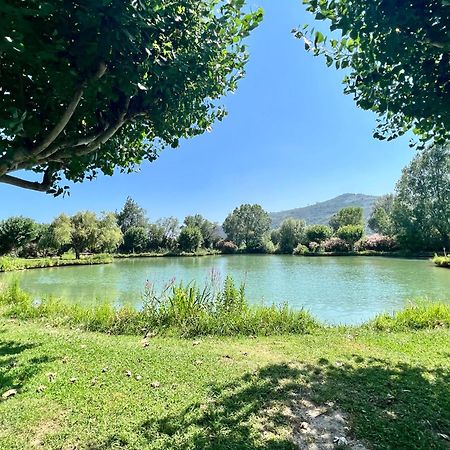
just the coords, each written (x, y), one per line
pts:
(291, 138)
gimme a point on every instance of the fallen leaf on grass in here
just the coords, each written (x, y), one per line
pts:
(9, 393)
(155, 384)
(41, 388)
(93, 381)
(105, 369)
(128, 373)
(51, 377)
(73, 379)
(138, 377)
(196, 343)
(198, 362)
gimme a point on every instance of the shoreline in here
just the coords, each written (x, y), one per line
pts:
(12, 264)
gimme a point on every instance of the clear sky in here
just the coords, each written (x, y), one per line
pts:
(291, 138)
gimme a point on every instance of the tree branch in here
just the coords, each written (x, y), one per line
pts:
(33, 185)
(68, 113)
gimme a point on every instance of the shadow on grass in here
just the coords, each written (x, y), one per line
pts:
(389, 406)
(14, 370)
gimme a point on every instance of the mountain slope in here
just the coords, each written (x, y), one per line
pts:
(322, 211)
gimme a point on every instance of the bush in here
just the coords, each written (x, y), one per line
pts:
(314, 247)
(350, 234)
(290, 234)
(135, 240)
(227, 247)
(377, 242)
(318, 233)
(336, 244)
(190, 239)
(301, 250)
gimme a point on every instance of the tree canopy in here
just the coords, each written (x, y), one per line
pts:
(421, 211)
(380, 219)
(351, 215)
(247, 225)
(94, 85)
(131, 215)
(397, 56)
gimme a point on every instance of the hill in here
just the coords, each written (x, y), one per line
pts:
(322, 211)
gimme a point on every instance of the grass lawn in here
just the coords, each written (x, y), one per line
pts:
(74, 392)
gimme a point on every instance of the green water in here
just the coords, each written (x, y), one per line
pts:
(336, 290)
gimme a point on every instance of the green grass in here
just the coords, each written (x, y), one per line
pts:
(218, 393)
(417, 316)
(442, 261)
(184, 310)
(9, 264)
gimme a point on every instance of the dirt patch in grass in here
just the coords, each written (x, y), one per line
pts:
(320, 427)
(44, 429)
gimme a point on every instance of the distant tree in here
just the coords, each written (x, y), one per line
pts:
(58, 235)
(84, 232)
(291, 233)
(396, 55)
(156, 237)
(246, 225)
(350, 234)
(421, 211)
(131, 215)
(109, 234)
(135, 240)
(380, 219)
(170, 228)
(190, 239)
(90, 86)
(275, 236)
(16, 232)
(318, 233)
(351, 215)
(207, 228)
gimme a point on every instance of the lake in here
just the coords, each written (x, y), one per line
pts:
(346, 290)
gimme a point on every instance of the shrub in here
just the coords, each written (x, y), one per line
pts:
(227, 247)
(301, 250)
(318, 233)
(290, 234)
(377, 242)
(190, 239)
(314, 247)
(336, 244)
(350, 234)
(135, 239)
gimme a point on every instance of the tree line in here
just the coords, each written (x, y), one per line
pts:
(415, 218)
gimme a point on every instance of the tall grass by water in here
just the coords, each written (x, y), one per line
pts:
(9, 264)
(186, 310)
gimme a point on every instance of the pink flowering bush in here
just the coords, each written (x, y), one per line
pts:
(377, 242)
(314, 246)
(336, 244)
(227, 246)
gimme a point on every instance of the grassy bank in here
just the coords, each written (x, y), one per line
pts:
(9, 264)
(86, 390)
(185, 310)
(442, 261)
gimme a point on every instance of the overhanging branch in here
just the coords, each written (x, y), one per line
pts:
(68, 113)
(32, 185)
